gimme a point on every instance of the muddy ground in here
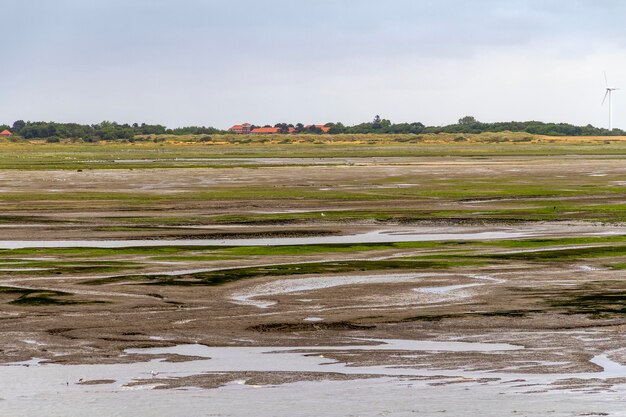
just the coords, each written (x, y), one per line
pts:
(540, 306)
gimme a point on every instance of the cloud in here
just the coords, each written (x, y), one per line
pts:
(218, 62)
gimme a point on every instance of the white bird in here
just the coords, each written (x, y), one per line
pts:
(153, 373)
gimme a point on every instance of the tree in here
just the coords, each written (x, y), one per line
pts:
(282, 128)
(51, 130)
(18, 125)
(336, 128)
(377, 124)
(467, 120)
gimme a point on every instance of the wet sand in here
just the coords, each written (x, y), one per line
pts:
(290, 344)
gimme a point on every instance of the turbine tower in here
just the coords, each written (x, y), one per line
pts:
(609, 94)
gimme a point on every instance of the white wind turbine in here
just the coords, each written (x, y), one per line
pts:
(609, 94)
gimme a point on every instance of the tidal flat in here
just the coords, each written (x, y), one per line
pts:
(243, 273)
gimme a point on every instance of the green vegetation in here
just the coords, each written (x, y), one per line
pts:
(454, 178)
(101, 131)
(564, 254)
(597, 299)
(536, 192)
(497, 313)
(596, 303)
(92, 258)
(512, 198)
(547, 242)
(15, 256)
(227, 151)
(226, 276)
(438, 255)
(95, 252)
(28, 297)
(52, 267)
(467, 125)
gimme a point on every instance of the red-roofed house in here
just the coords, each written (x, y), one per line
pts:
(243, 129)
(6, 133)
(265, 130)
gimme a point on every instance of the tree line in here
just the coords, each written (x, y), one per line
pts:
(469, 124)
(116, 131)
(101, 131)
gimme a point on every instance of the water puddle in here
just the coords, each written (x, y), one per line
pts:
(296, 285)
(370, 237)
(49, 389)
(258, 295)
(33, 342)
(589, 268)
(27, 363)
(611, 369)
(242, 161)
(445, 290)
(312, 359)
(23, 269)
(299, 359)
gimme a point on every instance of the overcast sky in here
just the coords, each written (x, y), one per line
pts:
(220, 62)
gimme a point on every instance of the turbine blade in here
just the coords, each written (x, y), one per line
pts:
(605, 96)
(606, 80)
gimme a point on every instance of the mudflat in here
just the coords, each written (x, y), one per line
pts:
(521, 251)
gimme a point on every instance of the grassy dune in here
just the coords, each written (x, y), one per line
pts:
(188, 151)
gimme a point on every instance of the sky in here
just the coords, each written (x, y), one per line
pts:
(221, 62)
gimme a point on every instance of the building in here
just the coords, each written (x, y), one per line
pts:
(6, 133)
(244, 129)
(265, 130)
(247, 128)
